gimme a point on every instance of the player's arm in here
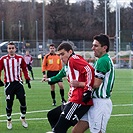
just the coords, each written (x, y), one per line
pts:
(1, 82)
(75, 83)
(44, 65)
(31, 60)
(59, 76)
(97, 82)
(100, 70)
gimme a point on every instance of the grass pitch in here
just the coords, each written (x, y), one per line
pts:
(39, 102)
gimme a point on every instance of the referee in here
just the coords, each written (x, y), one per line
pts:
(52, 64)
(13, 64)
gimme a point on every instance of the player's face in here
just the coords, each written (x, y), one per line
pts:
(52, 49)
(11, 50)
(27, 52)
(64, 55)
(98, 49)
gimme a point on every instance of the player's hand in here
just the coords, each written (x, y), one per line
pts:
(28, 82)
(74, 83)
(87, 96)
(1, 83)
(45, 79)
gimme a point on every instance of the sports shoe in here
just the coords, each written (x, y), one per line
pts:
(24, 123)
(9, 125)
(54, 103)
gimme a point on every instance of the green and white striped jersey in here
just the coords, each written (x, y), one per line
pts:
(104, 69)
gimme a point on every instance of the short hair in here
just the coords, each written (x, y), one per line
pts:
(52, 45)
(11, 43)
(103, 40)
(66, 45)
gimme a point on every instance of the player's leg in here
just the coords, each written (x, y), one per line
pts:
(52, 86)
(9, 92)
(64, 121)
(20, 93)
(80, 127)
(60, 84)
(99, 115)
(32, 73)
(70, 116)
(82, 124)
(53, 115)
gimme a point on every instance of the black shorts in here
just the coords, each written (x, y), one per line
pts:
(29, 67)
(65, 116)
(51, 74)
(14, 88)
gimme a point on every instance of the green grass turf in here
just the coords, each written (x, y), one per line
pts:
(39, 101)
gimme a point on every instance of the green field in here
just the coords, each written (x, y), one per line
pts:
(39, 102)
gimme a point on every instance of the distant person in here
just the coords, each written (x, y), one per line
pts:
(76, 69)
(13, 64)
(51, 66)
(29, 60)
(98, 115)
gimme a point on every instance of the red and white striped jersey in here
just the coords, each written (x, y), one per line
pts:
(28, 59)
(13, 67)
(80, 70)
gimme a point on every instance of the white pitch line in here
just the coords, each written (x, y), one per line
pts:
(31, 112)
(123, 115)
(40, 111)
(38, 119)
(122, 105)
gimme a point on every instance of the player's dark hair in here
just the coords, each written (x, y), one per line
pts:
(103, 40)
(51, 45)
(66, 45)
(11, 43)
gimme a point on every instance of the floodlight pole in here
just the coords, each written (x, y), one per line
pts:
(116, 34)
(119, 19)
(106, 17)
(36, 31)
(2, 30)
(19, 30)
(43, 25)
(132, 23)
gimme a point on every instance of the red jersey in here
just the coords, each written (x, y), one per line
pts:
(12, 66)
(28, 59)
(80, 70)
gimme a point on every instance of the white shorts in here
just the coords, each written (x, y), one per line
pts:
(98, 115)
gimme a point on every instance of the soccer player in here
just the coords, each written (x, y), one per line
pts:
(79, 101)
(98, 115)
(29, 60)
(13, 64)
(52, 64)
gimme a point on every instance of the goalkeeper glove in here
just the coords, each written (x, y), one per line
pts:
(1, 83)
(87, 96)
(28, 82)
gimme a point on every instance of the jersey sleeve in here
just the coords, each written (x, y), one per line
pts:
(1, 66)
(101, 68)
(44, 64)
(31, 60)
(60, 65)
(59, 76)
(24, 69)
